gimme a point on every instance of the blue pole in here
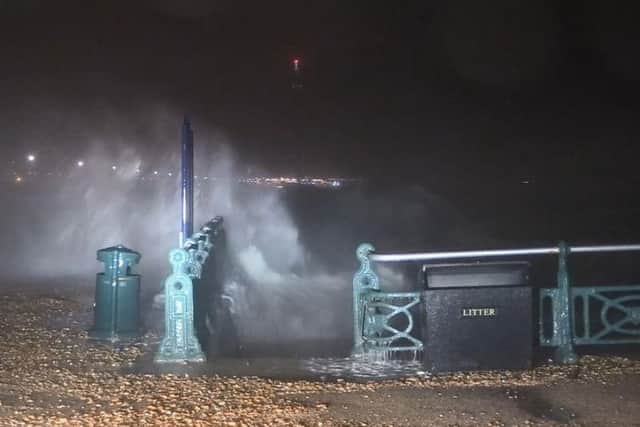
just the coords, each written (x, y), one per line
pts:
(186, 197)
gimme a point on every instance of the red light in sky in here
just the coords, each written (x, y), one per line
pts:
(295, 64)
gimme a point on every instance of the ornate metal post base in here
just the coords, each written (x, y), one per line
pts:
(563, 312)
(180, 344)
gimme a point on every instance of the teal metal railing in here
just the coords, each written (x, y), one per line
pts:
(376, 313)
(188, 263)
(617, 311)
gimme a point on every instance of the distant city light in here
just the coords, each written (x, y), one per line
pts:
(32, 170)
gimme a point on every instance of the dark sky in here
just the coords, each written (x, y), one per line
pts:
(399, 88)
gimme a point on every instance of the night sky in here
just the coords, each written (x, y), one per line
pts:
(408, 89)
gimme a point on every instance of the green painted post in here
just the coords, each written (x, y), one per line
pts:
(364, 279)
(180, 344)
(563, 312)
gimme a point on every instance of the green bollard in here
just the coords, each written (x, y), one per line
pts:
(117, 304)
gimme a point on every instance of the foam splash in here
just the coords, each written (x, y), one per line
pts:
(359, 367)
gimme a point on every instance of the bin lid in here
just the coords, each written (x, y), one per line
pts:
(477, 274)
(128, 255)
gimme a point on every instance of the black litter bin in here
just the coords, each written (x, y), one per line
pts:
(478, 316)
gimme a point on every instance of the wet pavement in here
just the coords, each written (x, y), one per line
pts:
(52, 374)
(288, 369)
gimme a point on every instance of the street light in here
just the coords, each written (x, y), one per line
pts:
(80, 163)
(31, 158)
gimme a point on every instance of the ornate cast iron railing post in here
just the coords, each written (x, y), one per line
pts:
(363, 281)
(180, 343)
(563, 312)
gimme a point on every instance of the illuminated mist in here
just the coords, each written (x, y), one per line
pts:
(295, 281)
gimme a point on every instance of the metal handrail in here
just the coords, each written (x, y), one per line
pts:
(426, 256)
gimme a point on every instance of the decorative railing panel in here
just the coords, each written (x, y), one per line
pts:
(600, 315)
(384, 313)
